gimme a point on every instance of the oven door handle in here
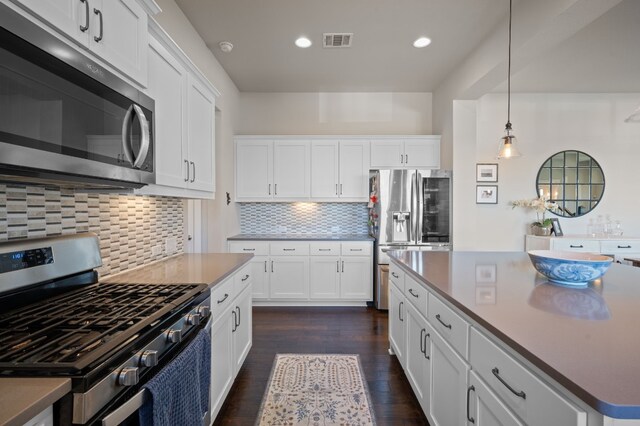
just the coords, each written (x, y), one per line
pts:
(128, 408)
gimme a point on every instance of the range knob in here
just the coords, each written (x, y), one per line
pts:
(128, 376)
(174, 336)
(149, 358)
(193, 319)
(204, 310)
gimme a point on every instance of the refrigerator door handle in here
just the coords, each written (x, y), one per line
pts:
(414, 208)
(420, 207)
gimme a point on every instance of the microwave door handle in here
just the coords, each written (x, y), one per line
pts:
(126, 142)
(121, 413)
(144, 134)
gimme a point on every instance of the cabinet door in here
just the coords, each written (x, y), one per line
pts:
(289, 277)
(354, 169)
(485, 408)
(291, 169)
(355, 280)
(387, 153)
(242, 337)
(119, 36)
(418, 356)
(422, 153)
(68, 16)
(259, 271)
(200, 135)
(324, 281)
(397, 318)
(254, 169)
(167, 86)
(324, 169)
(222, 360)
(449, 382)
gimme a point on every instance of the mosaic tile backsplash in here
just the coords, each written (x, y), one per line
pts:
(128, 226)
(303, 218)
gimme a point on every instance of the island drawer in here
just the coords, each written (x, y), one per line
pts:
(289, 249)
(576, 245)
(221, 296)
(396, 276)
(325, 249)
(242, 278)
(416, 294)
(619, 247)
(258, 248)
(356, 249)
(532, 400)
(453, 328)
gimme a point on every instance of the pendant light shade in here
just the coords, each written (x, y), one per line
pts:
(508, 143)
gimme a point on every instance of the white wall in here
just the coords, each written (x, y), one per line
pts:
(222, 220)
(334, 113)
(544, 124)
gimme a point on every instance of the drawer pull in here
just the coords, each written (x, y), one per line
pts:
(413, 294)
(442, 322)
(496, 373)
(246, 277)
(572, 246)
(425, 345)
(288, 249)
(469, 390)
(393, 274)
(223, 299)
(265, 266)
(324, 249)
(246, 249)
(400, 311)
(624, 247)
(355, 249)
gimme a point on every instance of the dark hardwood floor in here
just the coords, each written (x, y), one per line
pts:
(362, 331)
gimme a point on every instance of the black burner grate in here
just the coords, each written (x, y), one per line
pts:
(71, 331)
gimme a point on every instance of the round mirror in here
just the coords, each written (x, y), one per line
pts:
(573, 180)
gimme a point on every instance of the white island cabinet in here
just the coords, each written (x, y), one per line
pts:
(620, 248)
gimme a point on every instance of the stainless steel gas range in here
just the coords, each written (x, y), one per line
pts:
(110, 339)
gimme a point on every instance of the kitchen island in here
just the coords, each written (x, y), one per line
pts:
(581, 344)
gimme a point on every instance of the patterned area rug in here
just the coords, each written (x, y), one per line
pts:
(316, 390)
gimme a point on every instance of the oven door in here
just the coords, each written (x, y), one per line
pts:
(126, 410)
(65, 117)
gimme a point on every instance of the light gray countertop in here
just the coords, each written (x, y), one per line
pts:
(24, 398)
(301, 237)
(586, 339)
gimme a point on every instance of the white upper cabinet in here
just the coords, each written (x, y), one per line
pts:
(114, 30)
(415, 153)
(254, 169)
(354, 170)
(325, 168)
(291, 169)
(184, 122)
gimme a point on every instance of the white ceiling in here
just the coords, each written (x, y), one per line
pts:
(602, 57)
(382, 59)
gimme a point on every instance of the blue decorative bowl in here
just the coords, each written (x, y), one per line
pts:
(570, 268)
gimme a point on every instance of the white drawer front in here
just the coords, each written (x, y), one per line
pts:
(416, 294)
(258, 248)
(289, 249)
(356, 249)
(324, 249)
(535, 402)
(396, 276)
(576, 245)
(221, 296)
(450, 325)
(242, 278)
(619, 247)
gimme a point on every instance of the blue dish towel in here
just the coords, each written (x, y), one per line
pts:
(180, 391)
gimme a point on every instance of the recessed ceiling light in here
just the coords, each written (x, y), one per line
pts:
(422, 42)
(303, 42)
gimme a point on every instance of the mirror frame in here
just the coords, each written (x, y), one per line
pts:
(593, 165)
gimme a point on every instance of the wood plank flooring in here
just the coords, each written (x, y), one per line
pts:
(362, 331)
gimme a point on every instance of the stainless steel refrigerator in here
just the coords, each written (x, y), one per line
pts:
(412, 212)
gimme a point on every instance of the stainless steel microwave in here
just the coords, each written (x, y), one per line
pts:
(64, 119)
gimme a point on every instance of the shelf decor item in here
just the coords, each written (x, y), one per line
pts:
(543, 226)
(568, 267)
(507, 148)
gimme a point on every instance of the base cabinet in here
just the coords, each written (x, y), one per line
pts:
(242, 332)
(259, 269)
(289, 277)
(418, 356)
(397, 315)
(223, 368)
(484, 408)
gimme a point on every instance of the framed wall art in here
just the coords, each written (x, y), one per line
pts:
(486, 172)
(487, 194)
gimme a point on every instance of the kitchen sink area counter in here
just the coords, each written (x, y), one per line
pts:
(579, 344)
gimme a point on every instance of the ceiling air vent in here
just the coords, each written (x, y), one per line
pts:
(332, 40)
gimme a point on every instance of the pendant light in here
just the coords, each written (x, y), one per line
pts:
(508, 142)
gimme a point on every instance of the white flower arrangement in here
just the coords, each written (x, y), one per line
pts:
(540, 205)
